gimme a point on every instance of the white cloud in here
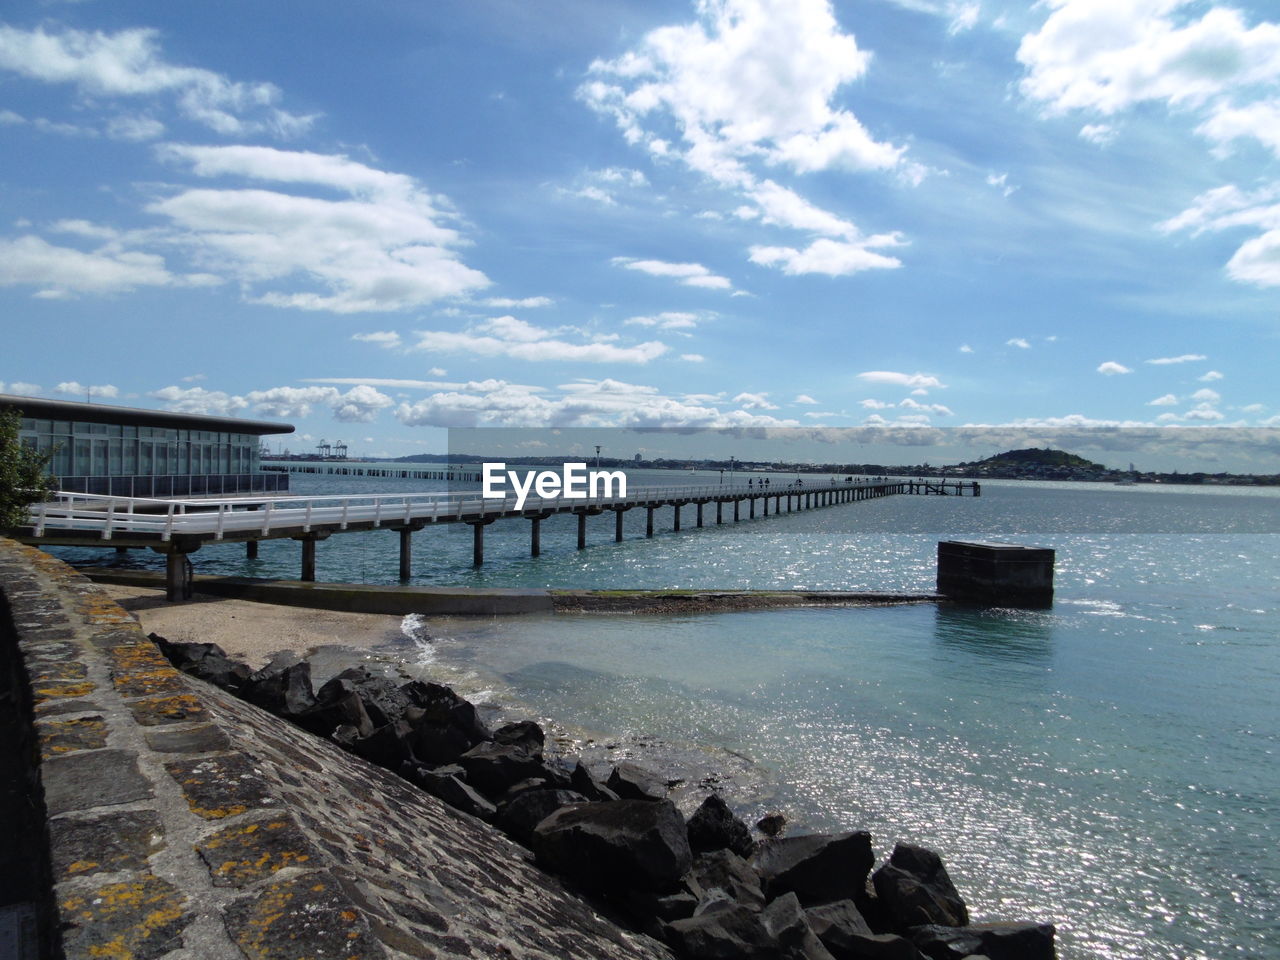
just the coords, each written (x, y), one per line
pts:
(65, 271)
(755, 401)
(71, 388)
(18, 388)
(1257, 261)
(387, 339)
(1099, 133)
(1110, 368)
(830, 257)
(200, 400)
(689, 274)
(1020, 342)
(1210, 376)
(1184, 358)
(360, 404)
(1168, 400)
(1203, 411)
(525, 303)
(134, 127)
(129, 64)
(803, 398)
(588, 403)
(902, 379)
(1001, 183)
(670, 320)
(965, 348)
(380, 248)
(692, 357)
(1205, 395)
(752, 80)
(936, 408)
(520, 340)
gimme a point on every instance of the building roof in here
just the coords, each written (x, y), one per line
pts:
(133, 416)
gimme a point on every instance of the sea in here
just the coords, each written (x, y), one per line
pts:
(1108, 764)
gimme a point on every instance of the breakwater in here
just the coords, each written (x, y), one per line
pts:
(178, 815)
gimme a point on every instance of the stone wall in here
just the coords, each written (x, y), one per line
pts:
(184, 823)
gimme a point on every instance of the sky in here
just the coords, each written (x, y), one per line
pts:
(378, 221)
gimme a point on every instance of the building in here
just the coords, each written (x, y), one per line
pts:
(126, 452)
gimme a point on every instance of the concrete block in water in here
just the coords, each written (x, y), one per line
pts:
(995, 574)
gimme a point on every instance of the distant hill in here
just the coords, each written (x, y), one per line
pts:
(1036, 457)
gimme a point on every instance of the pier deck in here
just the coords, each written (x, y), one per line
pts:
(179, 527)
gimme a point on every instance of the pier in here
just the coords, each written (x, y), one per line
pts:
(179, 527)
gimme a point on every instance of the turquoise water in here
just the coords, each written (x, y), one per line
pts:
(1109, 764)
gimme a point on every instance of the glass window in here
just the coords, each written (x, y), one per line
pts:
(81, 465)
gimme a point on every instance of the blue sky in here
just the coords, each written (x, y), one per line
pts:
(380, 220)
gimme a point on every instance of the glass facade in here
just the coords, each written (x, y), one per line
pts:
(148, 461)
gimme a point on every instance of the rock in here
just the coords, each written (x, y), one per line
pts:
(493, 768)
(447, 725)
(772, 824)
(337, 703)
(518, 816)
(714, 827)
(818, 869)
(732, 933)
(446, 783)
(346, 736)
(383, 700)
(787, 924)
(285, 691)
(388, 746)
(639, 844)
(207, 661)
(847, 936)
(727, 872)
(914, 889)
(631, 781)
(587, 785)
(523, 733)
(998, 941)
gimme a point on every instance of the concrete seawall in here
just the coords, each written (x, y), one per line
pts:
(171, 820)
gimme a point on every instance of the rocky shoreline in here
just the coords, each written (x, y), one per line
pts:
(704, 886)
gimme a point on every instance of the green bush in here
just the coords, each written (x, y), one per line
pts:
(24, 476)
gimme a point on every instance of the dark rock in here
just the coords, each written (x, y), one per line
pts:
(998, 941)
(520, 815)
(819, 869)
(732, 933)
(285, 691)
(383, 700)
(612, 846)
(533, 783)
(388, 746)
(447, 725)
(633, 782)
(725, 871)
(787, 924)
(524, 733)
(587, 785)
(446, 783)
(845, 933)
(337, 703)
(207, 661)
(493, 768)
(772, 824)
(914, 889)
(346, 736)
(714, 827)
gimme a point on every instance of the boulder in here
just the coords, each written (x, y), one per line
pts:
(639, 844)
(998, 941)
(631, 781)
(847, 936)
(447, 725)
(818, 869)
(517, 817)
(207, 661)
(388, 746)
(446, 783)
(383, 700)
(725, 871)
(336, 704)
(734, 932)
(914, 889)
(523, 733)
(493, 768)
(787, 924)
(772, 824)
(714, 827)
(285, 691)
(582, 781)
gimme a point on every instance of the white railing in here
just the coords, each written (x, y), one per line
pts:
(217, 518)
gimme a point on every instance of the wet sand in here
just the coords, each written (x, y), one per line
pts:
(250, 631)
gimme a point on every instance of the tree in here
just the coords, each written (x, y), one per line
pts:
(24, 477)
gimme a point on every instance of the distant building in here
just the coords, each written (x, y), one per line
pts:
(126, 452)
